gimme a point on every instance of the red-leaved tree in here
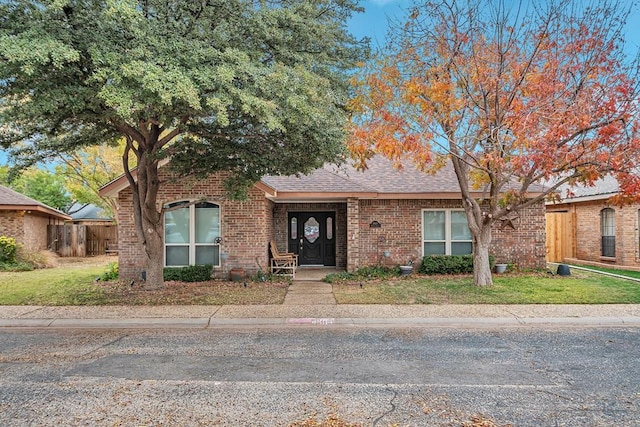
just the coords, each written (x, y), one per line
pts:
(513, 97)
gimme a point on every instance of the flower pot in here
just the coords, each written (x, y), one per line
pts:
(500, 268)
(406, 269)
(237, 274)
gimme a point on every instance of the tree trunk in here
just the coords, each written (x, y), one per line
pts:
(154, 249)
(481, 266)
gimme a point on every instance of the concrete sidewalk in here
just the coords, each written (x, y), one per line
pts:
(467, 316)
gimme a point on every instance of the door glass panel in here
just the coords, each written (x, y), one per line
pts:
(311, 230)
(294, 228)
(329, 228)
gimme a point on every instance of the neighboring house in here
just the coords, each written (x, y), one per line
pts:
(26, 219)
(583, 226)
(99, 231)
(88, 214)
(335, 216)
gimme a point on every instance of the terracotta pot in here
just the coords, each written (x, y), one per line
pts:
(237, 274)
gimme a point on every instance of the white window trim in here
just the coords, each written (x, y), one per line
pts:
(447, 230)
(192, 233)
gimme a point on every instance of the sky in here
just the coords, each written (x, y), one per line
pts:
(374, 21)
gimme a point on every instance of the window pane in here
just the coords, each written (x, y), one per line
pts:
(207, 222)
(461, 248)
(459, 226)
(434, 224)
(208, 255)
(431, 248)
(294, 228)
(608, 222)
(177, 255)
(329, 228)
(176, 226)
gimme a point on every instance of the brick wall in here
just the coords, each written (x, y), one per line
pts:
(35, 232)
(401, 233)
(12, 225)
(28, 229)
(245, 225)
(588, 232)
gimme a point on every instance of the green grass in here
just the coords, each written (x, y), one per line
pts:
(77, 286)
(525, 288)
(626, 273)
(52, 286)
(74, 285)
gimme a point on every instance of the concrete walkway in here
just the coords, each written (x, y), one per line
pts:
(309, 293)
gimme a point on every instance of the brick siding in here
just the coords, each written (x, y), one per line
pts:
(587, 232)
(248, 226)
(29, 230)
(245, 225)
(401, 233)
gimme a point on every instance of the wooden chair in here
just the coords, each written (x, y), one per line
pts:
(283, 263)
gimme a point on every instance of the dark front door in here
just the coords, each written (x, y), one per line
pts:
(312, 237)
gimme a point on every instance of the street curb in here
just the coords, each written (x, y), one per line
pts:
(212, 323)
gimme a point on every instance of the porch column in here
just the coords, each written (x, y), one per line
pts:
(353, 234)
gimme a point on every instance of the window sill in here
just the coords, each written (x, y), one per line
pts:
(608, 259)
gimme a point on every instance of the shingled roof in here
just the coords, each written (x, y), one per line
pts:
(11, 200)
(381, 179)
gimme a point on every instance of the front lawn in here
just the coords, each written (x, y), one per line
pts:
(76, 285)
(517, 288)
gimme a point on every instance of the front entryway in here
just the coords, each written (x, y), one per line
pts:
(312, 236)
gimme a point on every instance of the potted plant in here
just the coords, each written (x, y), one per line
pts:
(501, 268)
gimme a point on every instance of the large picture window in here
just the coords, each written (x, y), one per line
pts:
(191, 233)
(445, 232)
(608, 232)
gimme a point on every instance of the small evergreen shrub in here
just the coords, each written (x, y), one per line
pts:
(192, 273)
(449, 264)
(8, 250)
(111, 273)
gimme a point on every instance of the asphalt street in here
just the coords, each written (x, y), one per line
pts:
(243, 376)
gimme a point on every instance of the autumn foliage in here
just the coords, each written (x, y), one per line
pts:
(521, 99)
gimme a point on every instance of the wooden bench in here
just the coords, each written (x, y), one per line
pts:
(283, 263)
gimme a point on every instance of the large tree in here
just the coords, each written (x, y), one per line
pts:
(248, 86)
(515, 97)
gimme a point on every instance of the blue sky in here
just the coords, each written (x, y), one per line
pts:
(374, 21)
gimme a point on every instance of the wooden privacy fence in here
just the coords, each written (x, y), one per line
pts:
(77, 240)
(560, 243)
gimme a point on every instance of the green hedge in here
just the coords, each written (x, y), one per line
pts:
(8, 249)
(192, 273)
(449, 264)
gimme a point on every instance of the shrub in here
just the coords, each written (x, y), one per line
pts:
(449, 264)
(111, 273)
(38, 259)
(8, 250)
(192, 273)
